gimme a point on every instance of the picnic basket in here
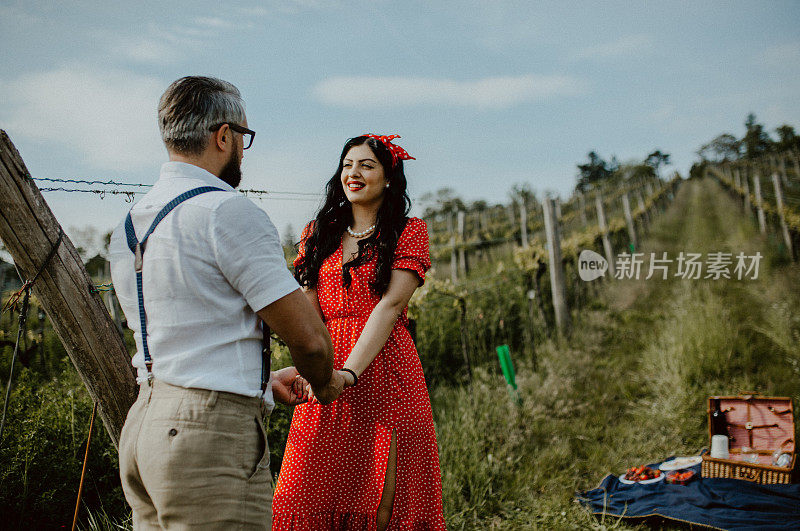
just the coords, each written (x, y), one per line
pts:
(765, 424)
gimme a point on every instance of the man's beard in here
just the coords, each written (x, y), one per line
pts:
(231, 173)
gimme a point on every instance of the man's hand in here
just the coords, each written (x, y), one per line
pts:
(330, 391)
(288, 387)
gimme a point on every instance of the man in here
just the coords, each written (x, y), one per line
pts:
(193, 279)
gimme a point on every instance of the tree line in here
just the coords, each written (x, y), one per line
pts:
(755, 143)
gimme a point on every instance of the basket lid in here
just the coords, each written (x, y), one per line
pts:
(762, 423)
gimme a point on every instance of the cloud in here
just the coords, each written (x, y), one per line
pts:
(625, 46)
(21, 15)
(107, 116)
(785, 55)
(254, 11)
(286, 7)
(313, 4)
(213, 22)
(490, 92)
(146, 50)
(672, 117)
(165, 44)
(156, 44)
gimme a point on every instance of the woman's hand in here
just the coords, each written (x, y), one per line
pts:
(349, 378)
(288, 387)
(331, 390)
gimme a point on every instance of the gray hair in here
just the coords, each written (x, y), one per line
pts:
(191, 106)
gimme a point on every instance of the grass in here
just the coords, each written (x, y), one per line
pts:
(629, 386)
(100, 520)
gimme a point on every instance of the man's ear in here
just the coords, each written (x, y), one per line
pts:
(223, 138)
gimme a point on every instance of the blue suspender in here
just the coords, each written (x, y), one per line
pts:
(137, 248)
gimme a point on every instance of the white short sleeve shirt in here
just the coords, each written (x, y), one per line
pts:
(210, 264)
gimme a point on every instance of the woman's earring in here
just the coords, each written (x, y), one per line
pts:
(387, 185)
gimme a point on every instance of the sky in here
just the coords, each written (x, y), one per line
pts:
(485, 94)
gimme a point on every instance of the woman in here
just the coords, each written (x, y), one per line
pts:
(369, 460)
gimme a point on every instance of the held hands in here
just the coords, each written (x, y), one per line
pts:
(288, 387)
(330, 392)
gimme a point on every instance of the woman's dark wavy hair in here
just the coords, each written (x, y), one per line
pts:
(336, 215)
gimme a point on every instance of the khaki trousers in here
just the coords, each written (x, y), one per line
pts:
(195, 459)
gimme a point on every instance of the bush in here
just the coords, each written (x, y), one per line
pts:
(42, 453)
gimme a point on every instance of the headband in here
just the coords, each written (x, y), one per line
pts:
(397, 152)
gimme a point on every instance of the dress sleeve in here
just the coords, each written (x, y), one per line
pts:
(412, 249)
(301, 247)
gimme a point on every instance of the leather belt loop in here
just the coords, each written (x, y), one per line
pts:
(149, 390)
(211, 401)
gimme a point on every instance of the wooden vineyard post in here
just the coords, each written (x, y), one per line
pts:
(557, 204)
(462, 305)
(111, 300)
(626, 205)
(783, 171)
(462, 257)
(762, 222)
(557, 283)
(787, 238)
(582, 199)
(530, 338)
(512, 219)
(537, 287)
(640, 202)
(29, 230)
(601, 220)
(741, 176)
(486, 252)
(523, 222)
(747, 205)
(453, 258)
(796, 160)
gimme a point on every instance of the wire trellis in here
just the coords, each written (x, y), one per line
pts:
(119, 189)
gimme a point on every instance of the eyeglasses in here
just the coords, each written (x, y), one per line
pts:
(247, 134)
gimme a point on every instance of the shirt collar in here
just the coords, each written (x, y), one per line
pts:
(183, 170)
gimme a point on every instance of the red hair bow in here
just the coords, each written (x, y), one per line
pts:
(397, 152)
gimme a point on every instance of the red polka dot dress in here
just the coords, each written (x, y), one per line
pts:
(335, 460)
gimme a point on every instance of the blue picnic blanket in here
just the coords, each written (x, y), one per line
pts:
(729, 504)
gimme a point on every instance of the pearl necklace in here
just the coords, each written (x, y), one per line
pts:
(362, 233)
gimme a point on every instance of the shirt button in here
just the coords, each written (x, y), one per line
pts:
(173, 432)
